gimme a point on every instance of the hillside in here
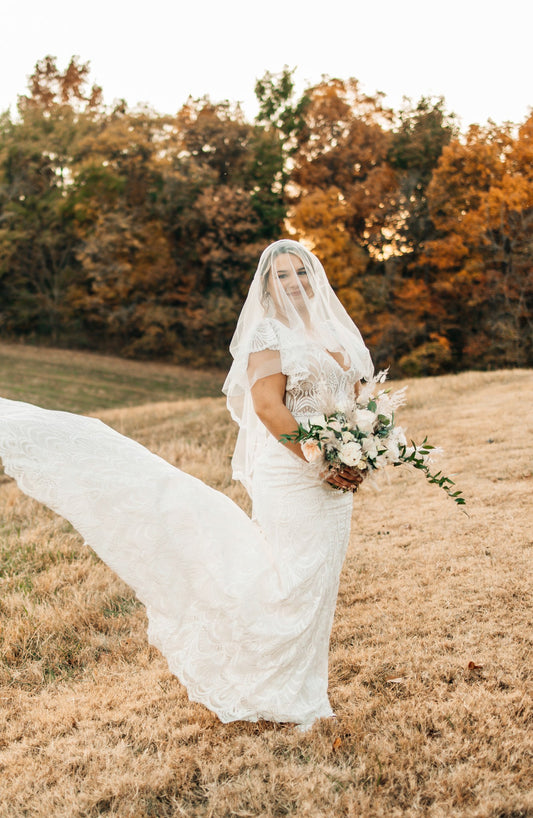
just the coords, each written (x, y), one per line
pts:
(83, 381)
(431, 654)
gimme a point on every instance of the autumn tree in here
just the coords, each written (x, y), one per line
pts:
(222, 205)
(123, 250)
(413, 334)
(139, 233)
(340, 178)
(480, 200)
(172, 214)
(244, 157)
(50, 88)
(38, 155)
(420, 133)
(344, 144)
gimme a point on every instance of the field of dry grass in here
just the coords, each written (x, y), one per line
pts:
(431, 661)
(83, 381)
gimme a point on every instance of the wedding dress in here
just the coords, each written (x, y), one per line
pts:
(241, 608)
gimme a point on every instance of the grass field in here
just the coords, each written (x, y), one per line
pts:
(83, 381)
(431, 662)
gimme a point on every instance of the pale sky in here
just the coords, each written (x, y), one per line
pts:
(475, 53)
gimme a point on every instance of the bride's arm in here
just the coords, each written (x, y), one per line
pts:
(268, 394)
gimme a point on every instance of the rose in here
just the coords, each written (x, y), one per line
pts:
(365, 420)
(311, 450)
(350, 453)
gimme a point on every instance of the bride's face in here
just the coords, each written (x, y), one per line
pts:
(292, 276)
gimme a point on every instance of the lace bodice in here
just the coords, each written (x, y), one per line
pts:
(326, 383)
(315, 379)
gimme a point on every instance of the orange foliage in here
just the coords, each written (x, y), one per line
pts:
(319, 219)
(344, 146)
(139, 232)
(481, 200)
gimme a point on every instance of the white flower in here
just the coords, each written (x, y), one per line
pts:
(311, 451)
(347, 437)
(397, 436)
(370, 447)
(400, 436)
(392, 454)
(317, 420)
(382, 461)
(365, 420)
(350, 453)
(344, 405)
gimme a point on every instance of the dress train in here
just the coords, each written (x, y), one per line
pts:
(241, 609)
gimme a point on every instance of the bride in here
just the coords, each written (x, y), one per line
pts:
(241, 609)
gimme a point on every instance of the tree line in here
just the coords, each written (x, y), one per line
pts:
(129, 231)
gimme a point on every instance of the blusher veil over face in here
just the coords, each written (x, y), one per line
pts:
(289, 277)
(290, 287)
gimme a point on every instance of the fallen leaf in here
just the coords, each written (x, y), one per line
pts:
(396, 679)
(336, 744)
(472, 666)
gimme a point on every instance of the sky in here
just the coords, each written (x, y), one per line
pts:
(475, 53)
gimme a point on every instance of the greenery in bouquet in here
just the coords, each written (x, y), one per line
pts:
(364, 436)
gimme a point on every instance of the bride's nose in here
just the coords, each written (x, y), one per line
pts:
(292, 282)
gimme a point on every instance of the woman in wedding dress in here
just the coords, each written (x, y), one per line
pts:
(241, 609)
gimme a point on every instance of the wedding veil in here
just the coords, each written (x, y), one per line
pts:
(289, 287)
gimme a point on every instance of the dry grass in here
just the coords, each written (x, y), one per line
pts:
(94, 724)
(84, 381)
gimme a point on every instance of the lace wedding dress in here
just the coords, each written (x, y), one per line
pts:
(241, 609)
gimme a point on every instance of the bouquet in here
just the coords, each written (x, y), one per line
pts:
(365, 437)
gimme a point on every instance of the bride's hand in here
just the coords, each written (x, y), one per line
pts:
(347, 478)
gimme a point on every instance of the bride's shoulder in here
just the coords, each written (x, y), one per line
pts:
(266, 335)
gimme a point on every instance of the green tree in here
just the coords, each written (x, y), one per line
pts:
(420, 133)
(124, 253)
(38, 156)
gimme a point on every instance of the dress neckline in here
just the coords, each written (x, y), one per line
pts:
(329, 354)
(333, 358)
